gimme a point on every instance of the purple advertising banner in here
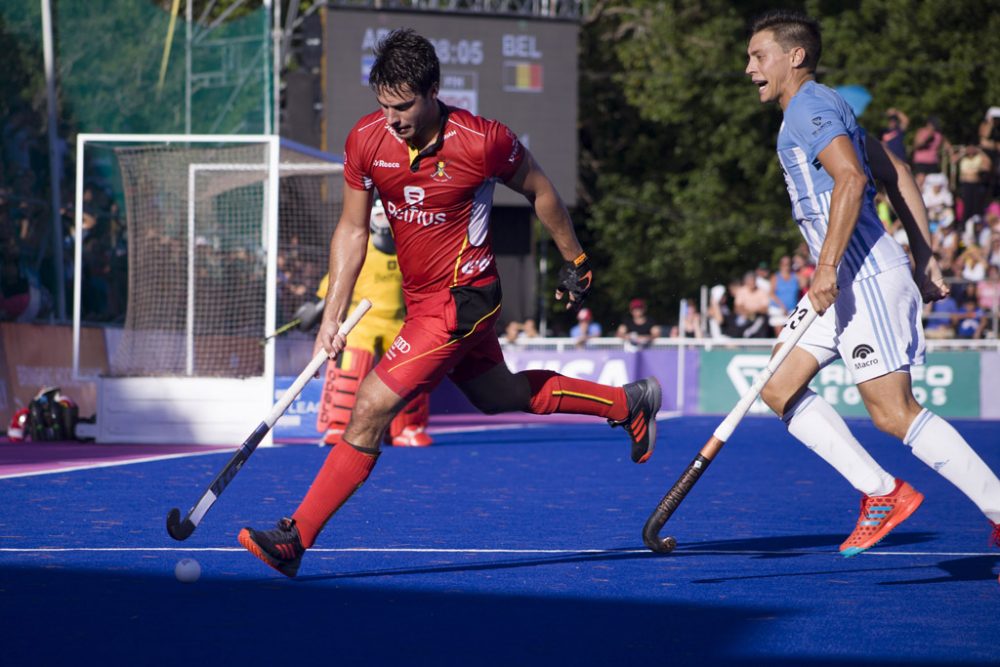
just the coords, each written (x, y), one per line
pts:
(614, 367)
(989, 385)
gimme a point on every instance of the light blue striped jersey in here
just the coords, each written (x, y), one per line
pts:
(815, 116)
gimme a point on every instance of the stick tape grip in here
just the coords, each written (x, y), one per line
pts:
(669, 504)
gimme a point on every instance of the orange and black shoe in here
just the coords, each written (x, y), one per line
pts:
(879, 515)
(280, 548)
(643, 399)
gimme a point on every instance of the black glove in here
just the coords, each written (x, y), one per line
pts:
(575, 279)
(309, 313)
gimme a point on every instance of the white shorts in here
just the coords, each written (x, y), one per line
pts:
(874, 326)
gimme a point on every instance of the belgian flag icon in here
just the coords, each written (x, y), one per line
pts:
(522, 77)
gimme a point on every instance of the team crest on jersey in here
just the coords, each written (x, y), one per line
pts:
(440, 175)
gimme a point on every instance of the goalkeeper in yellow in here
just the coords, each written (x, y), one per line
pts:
(381, 282)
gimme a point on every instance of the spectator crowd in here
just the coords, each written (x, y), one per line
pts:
(960, 184)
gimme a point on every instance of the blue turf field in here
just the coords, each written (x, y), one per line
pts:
(508, 547)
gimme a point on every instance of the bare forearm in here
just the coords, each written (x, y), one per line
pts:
(845, 205)
(548, 206)
(555, 218)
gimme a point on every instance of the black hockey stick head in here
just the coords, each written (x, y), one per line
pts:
(179, 530)
(651, 537)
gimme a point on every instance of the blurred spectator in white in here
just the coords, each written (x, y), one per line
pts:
(938, 200)
(763, 277)
(637, 328)
(585, 327)
(894, 133)
(974, 168)
(718, 310)
(971, 264)
(690, 324)
(945, 242)
(519, 331)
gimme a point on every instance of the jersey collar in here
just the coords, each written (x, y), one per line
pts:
(436, 146)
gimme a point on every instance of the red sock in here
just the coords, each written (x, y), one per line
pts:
(343, 473)
(551, 392)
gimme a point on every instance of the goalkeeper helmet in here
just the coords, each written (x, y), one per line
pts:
(18, 425)
(381, 230)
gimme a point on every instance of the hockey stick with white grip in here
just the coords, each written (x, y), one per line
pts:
(798, 323)
(181, 529)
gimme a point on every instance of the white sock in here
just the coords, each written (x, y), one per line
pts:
(936, 442)
(817, 425)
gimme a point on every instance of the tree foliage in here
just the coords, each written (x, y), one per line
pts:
(679, 181)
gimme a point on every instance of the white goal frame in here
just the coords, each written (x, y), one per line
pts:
(190, 409)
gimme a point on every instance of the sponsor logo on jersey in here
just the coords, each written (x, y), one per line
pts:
(862, 355)
(862, 351)
(821, 124)
(411, 212)
(386, 165)
(440, 175)
(413, 195)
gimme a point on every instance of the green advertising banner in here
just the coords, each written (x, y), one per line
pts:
(948, 384)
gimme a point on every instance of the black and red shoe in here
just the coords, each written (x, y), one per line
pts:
(280, 548)
(643, 399)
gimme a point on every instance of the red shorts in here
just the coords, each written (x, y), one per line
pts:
(454, 335)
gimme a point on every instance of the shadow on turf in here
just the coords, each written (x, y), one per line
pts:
(72, 617)
(793, 546)
(490, 565)
(67, 617)
(972, 568)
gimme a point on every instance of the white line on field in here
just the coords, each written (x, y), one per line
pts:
(527, 552)
(112, 464)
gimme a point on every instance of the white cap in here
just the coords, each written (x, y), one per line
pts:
(992, 112)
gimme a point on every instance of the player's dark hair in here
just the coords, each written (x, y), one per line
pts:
(405, 60)
(791, 29)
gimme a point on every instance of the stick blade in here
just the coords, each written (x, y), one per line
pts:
(179, 530)
(660, 545)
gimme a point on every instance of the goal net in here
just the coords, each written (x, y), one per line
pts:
(224, 237)
(198, 225)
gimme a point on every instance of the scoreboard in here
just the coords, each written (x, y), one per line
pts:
(522, 72)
